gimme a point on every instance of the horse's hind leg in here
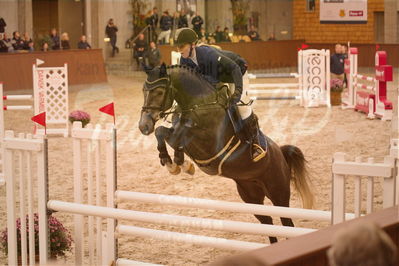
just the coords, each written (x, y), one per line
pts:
(252, 192)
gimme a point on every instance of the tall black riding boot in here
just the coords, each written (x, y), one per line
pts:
(251, 129)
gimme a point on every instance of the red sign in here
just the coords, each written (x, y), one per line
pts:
(355, 13)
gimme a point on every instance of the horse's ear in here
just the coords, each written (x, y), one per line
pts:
(146, 68)
(162, 70)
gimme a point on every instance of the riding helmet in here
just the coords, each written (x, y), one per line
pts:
(186, 35)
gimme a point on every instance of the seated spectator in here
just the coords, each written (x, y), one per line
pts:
(45, 47)
(3, 45)
(65, 41)
(253, 34)
(27, 39)
(17, 42)
(337, 63)
(153, 56)
(203, 37)
(218, 34)
(271, 37)
(165, 23)
(362, 245)
(56, 45)
(83, 44)
(140, 47)
(31, 47)
(7, 41)
(226, 35)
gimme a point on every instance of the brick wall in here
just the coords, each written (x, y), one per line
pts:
(306, 25)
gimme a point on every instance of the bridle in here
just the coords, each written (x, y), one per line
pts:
(158, 83)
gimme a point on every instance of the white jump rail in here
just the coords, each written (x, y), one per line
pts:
(295, 213)
(313, 81)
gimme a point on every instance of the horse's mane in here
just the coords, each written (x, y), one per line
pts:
(190, 70)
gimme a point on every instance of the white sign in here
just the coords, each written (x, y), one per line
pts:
(343, 11)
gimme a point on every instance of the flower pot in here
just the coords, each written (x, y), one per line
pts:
(335, 98)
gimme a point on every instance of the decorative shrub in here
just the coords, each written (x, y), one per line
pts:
(81, 116)
(60, 238)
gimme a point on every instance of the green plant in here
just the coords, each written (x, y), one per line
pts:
(138, 17)
(239, 9)
(79, 115)
(60, 238)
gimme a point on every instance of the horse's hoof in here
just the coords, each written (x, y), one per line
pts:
(173, 168)
(188, 167)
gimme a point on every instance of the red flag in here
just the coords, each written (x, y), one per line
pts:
(108, 109)
(377, 47)
(40, 119)
(298, 49)
(304, 46)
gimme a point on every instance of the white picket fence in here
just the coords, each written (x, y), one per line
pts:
(94, 158)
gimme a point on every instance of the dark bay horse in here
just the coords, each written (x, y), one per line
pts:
(205, 134)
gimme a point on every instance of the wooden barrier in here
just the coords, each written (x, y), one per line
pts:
(310, 249)
(85, 67)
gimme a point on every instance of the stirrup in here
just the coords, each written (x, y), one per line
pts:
(261, 155)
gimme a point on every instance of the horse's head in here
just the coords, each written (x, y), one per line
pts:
(157, 98)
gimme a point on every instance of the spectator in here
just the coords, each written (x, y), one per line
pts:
(27, 39)
(111, 30)
(152, 20)
(165, 24)
(140, 46)
(55, 38)
(31, 47)
(197, 22)
(337, 63)
(253, 34)
(218, 34)
(17, 42)
(65, 41)
(203, 36)
(175, 24)
(153, 56)
(226, 35)
(8, 42)
(2, 25)
(362, 245)
(272, 37)
(45, 47)
(83, 44)
(3, 45)
(183, 22)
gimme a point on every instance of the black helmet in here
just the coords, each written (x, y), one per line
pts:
(186, 35)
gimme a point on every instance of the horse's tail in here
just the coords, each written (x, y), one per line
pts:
(299, 173)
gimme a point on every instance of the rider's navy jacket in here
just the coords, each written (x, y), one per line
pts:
(216, 67)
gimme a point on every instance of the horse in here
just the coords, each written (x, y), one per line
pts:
(202, 130)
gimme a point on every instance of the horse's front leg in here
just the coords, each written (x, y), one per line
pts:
(162, 133)
(175, 140)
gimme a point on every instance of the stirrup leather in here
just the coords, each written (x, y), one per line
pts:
(261, 155)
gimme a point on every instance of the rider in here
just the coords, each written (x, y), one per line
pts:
(221, 67)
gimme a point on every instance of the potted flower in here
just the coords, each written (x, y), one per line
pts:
(336, 88)
(81, 116)
(59, 237)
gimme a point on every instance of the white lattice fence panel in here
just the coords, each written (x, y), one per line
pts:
(51, 96)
